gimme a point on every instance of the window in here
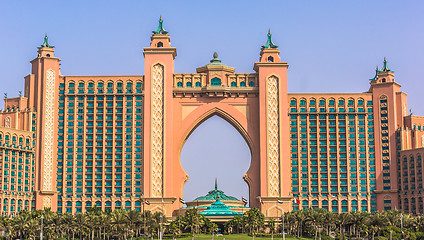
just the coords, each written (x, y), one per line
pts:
(216, 82)
(251, 84)
(197, 84)
(233, 84)
(179, 84)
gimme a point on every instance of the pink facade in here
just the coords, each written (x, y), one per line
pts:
(74, 142)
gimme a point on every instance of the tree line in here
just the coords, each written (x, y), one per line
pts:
(130, 224)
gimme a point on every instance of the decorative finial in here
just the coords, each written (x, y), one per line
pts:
(46, 43)
(20, 93)
(269, 43)
(216, 184)
(160, 29)
(385, 67)
(215, 58)
(5, 95)
(376, 74)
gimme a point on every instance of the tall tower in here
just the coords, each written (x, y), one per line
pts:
(274, 128)
(41, 89)
(158, 70)
(389, 107)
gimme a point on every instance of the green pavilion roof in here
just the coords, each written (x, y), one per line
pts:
(219, 209)
(216, 194)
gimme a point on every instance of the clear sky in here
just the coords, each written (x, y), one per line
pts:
(331, 46)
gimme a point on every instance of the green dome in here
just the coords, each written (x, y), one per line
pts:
(216, 194)
(219, 209)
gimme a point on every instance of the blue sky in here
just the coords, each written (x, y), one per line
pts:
(331, 46)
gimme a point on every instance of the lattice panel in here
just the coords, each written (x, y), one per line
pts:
(157, 130)
(47, 202)
(48, 130)
(273, 133)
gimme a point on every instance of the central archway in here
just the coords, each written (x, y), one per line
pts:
(215, 149)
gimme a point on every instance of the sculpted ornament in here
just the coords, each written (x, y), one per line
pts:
(157, 130)
(273, 132)
(48, 131)
(7, 122)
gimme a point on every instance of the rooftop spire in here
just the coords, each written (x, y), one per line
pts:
(269, 43)
(160, 29)
(46, 43)
(376, 74)
(216, 184)
(385, 68)
(215, 58)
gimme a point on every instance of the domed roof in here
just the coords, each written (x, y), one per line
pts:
(216, 194)
(219, 209)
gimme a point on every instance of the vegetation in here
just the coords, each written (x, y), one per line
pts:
(131, 224)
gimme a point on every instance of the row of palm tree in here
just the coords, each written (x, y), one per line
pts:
(94, 224)
(319, 222)
(129, 224)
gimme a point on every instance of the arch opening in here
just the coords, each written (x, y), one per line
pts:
(215, 149)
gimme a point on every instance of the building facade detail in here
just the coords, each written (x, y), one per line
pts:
(157, 130)
(49, 112)
(273, 136)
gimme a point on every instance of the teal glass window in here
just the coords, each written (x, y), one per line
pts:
(243, 84)
(251, 84)
(233, 84)
(215, 82)
(179, 84)
(189, 84)
(197, 84)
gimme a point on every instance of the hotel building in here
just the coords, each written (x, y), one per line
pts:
(74, 142)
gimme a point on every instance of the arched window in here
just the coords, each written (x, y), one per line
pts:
(198, 84)
(354, 202)
(334, 203)
(117, 203)
(78, 204)
(98, 204)
(69, 204)
(160, 44)
(243, 84)
(344, 203)
(137, 203)
(88, 204)
(251, 84)
(189, 84)
(179, 84)
(233, 84)
(270, 59)
(325, 202)
(108, 203)
(127, 204)
(216, 82)
(305, 202)
(314, 203)
(364, 203)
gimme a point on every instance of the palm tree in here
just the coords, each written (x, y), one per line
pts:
(80, 222)
(254, 220)
(133, 218)
(213, 228)
(271, 226)
(173, 229)
(118, 223)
